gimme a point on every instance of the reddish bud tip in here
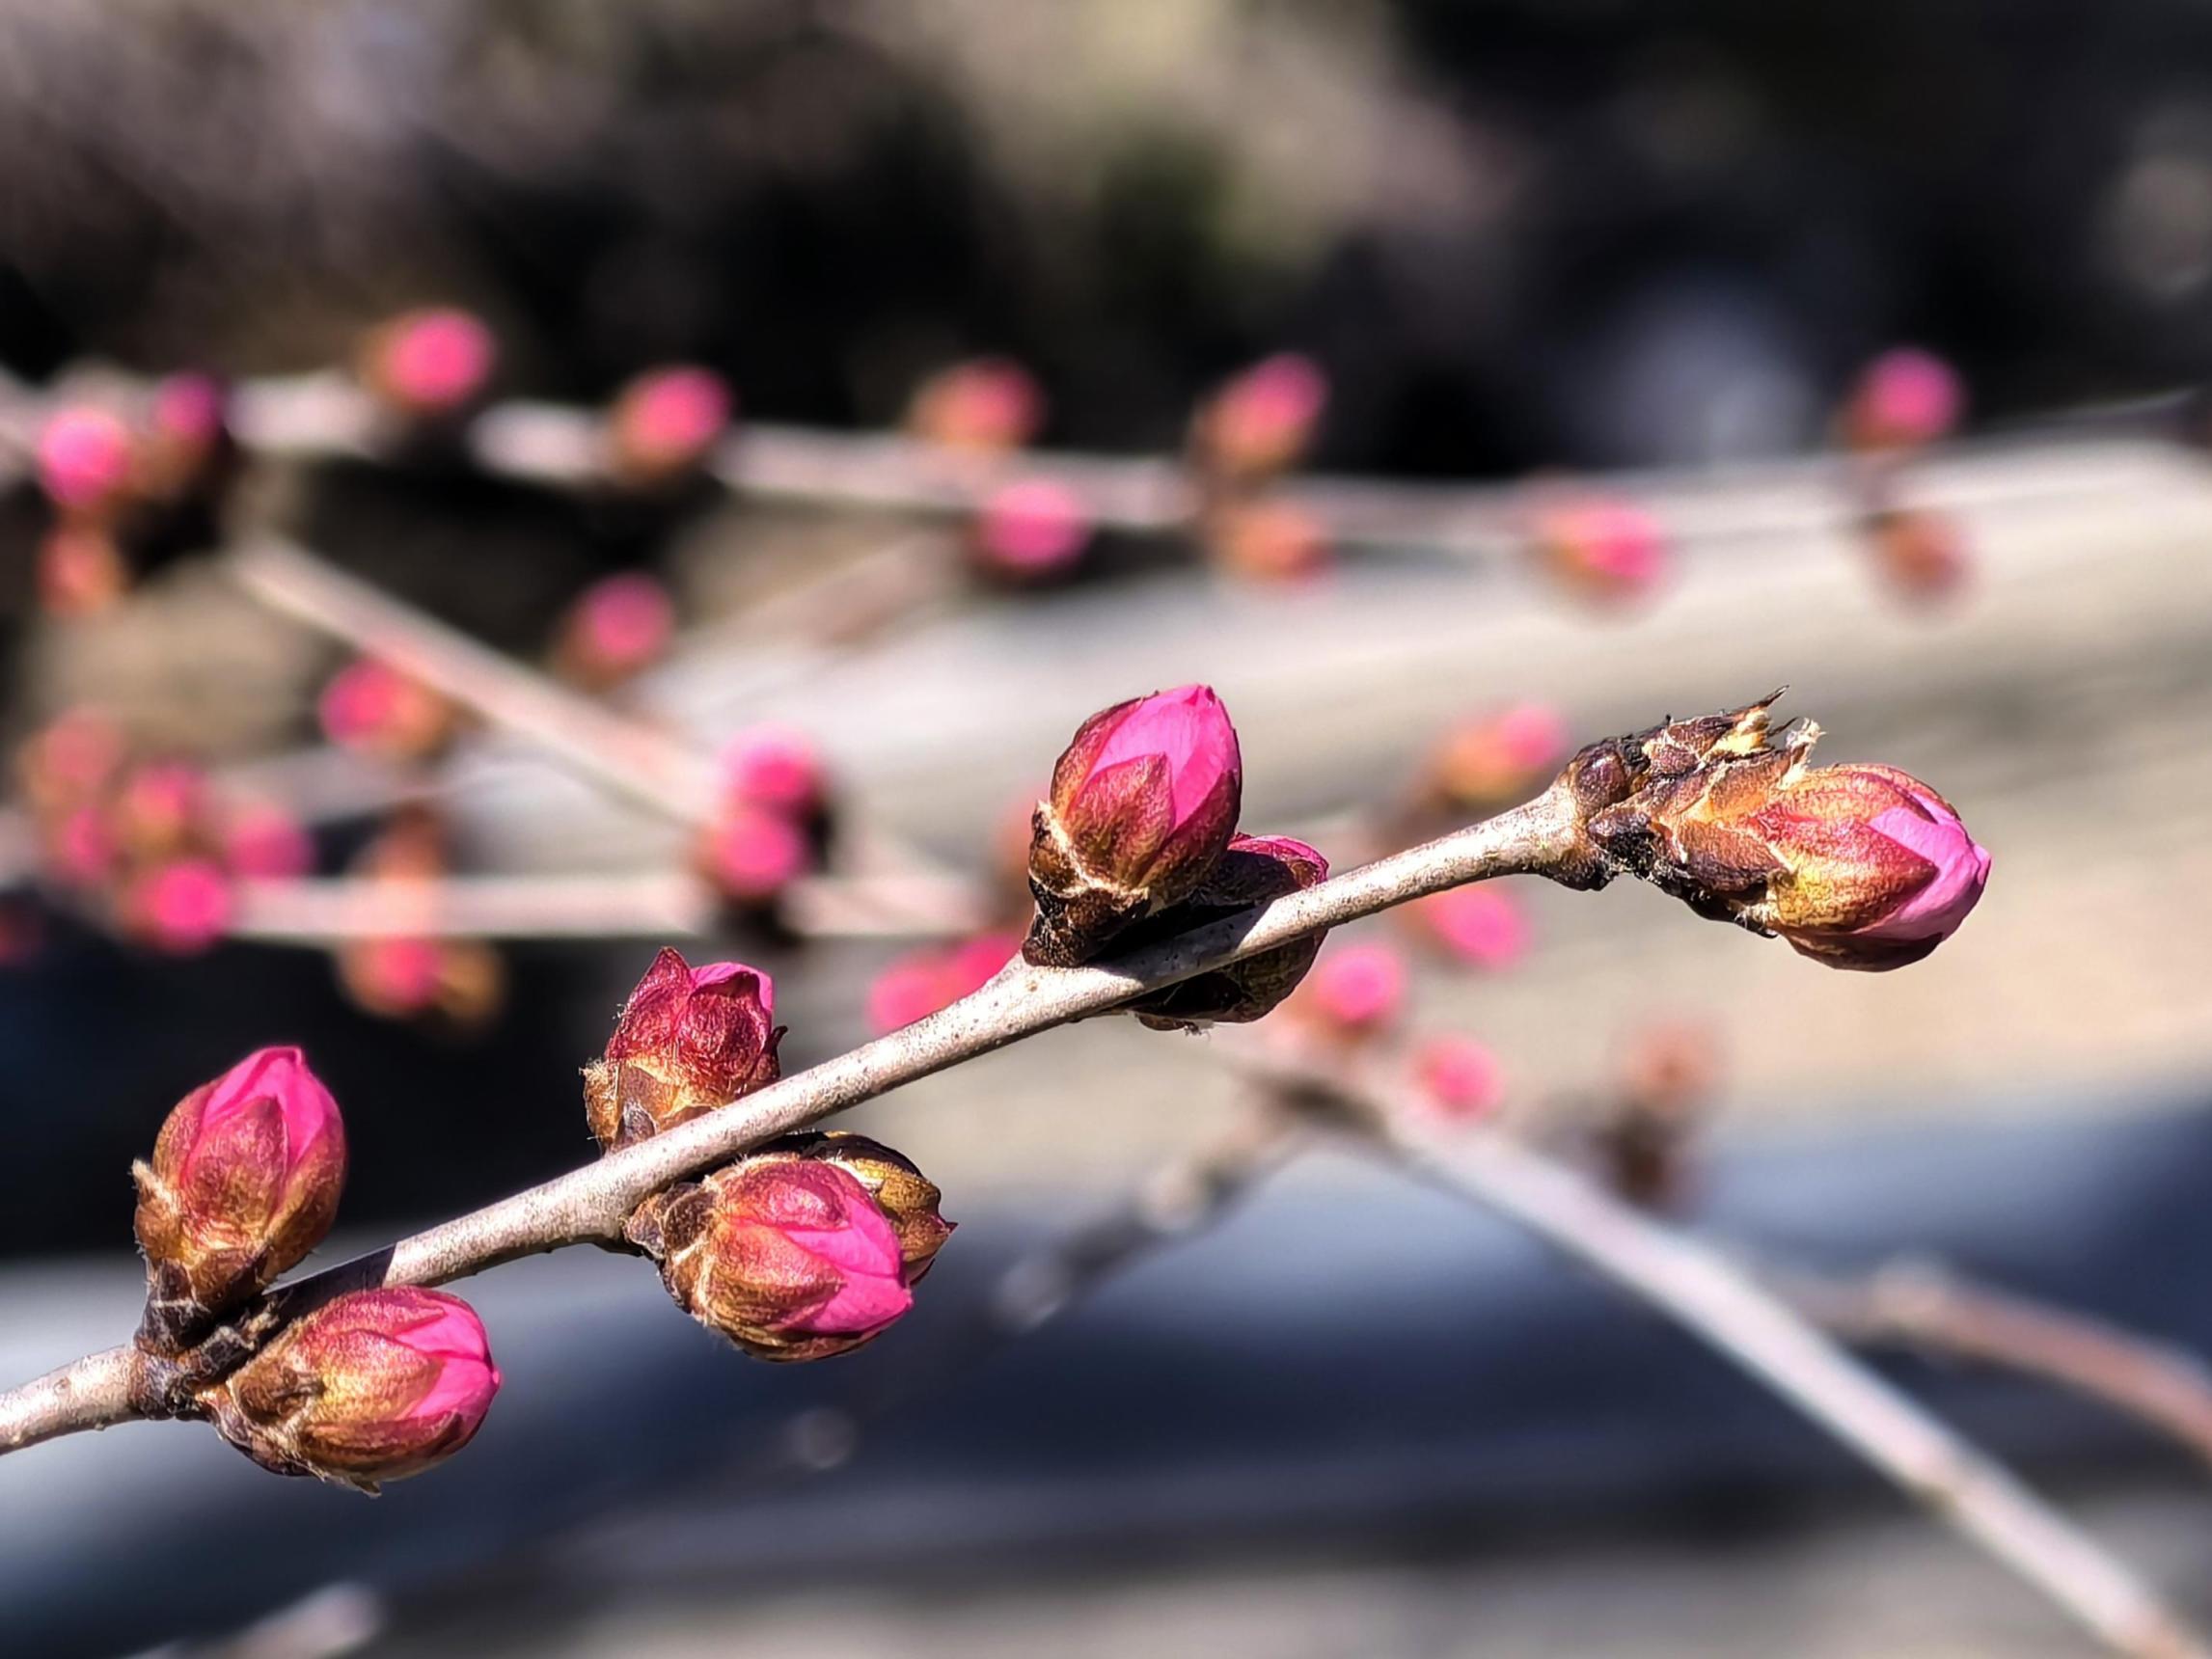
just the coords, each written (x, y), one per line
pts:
(689, 1040)
(182, 906)
(777, 767)
(1355, 991)
(161, 807)
(990, 405)
(1482, 927)
(262, 841)
(1923, 556)
(1263, 419)
(1032, 530)
(618, 627)
(806, 1248)
(244, 1182)
(1459, 1078)
(82, 570)
(81, 847)
(666, 422)
(1268, 541)
(920, 983)
(85, 461)
(1903, 399)
(372, 708)
(1253, 870)
(1496, 759)
(1143, 803)
(429, 364)
(753, 854)
(71, 759)
(373, 1386)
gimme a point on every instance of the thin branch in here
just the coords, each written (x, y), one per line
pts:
(86, 1394)
(1700, 1289)
(1919, 1306)
(589, 1205)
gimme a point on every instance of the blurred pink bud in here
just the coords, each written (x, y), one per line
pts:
(1922, 555)
(1263, 419)
(262, 841)
(397, 978)
(81, 849)
(85, 460)
(1480, 926)
(1496, 759)
(181, 907)
(1143, 803)
(789, 1253)
(161, 807)
(922, 981)
(617, 628)
(374, 709)
(990, 405)
(1032, 529)
(667, 422)
(244, 1182)
(190, 409)
(1268, 541)
(1611, 552)
(688, 1041)
(431, 364)
(774, 766)
(373, 1386)
(1903, 399)
(753, 854)
(82, 570)
(1458, 1078)
(71, 758)
(1355, 991)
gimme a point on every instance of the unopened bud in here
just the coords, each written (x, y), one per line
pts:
(1860, 866)
(617, 628)
(1922, 556)
(70, 760)
(777, 767)
(373, 1386)
(263, 841)
(806, 1248)
(1143, 803)
(1263, 419)
(161, 808)
(430, 366)
(181, 905)
(372, 708)
(752, 854)
(1253, 870)
(923, 981)
(1458, 1079)
(244, 1182)
(1611, 553)
(187, 443)
(82, 570)
(1496, 760)
(1355, 993)
(1031, 532)
(1268, 541)
(689, 1040)
(1480, 926)
(990, 405)
(1904, 399)
(664, 424)
(85, 462)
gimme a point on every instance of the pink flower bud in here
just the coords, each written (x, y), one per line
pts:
(1905, 398)
(181, 907)
(71, 760)
(429, 364)
(373, 1386)
(666, 422)
(394, 978)
(85, 461)
(1253, 870)
(262, 841)
(1459, 1078)
(81, 849)
(618, 627)
(990, 405)
(753, 854)
(775, 767)
(1609, 552)
(922, 981)
(1861, 866)
(1268, 541)
(244, 1182)
(1143, 803)
(82, 570)
(1032, 530)
(161, 807)
(186, 435)
(1496, 759)
(688, 1041)
(1263, 419)
(1482, 926)
(805, 1248)
(372, 708)
(1922, 555)
(1355, 991)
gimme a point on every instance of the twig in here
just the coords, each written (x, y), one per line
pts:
(589, 1205)
(1708, 1295)
(1917, 1305)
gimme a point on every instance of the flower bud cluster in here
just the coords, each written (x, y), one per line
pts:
(1859, 866)
(803, 1248)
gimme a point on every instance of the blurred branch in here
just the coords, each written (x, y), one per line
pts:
(1698, 1287)
(1920, 1306)
(591, 1204)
